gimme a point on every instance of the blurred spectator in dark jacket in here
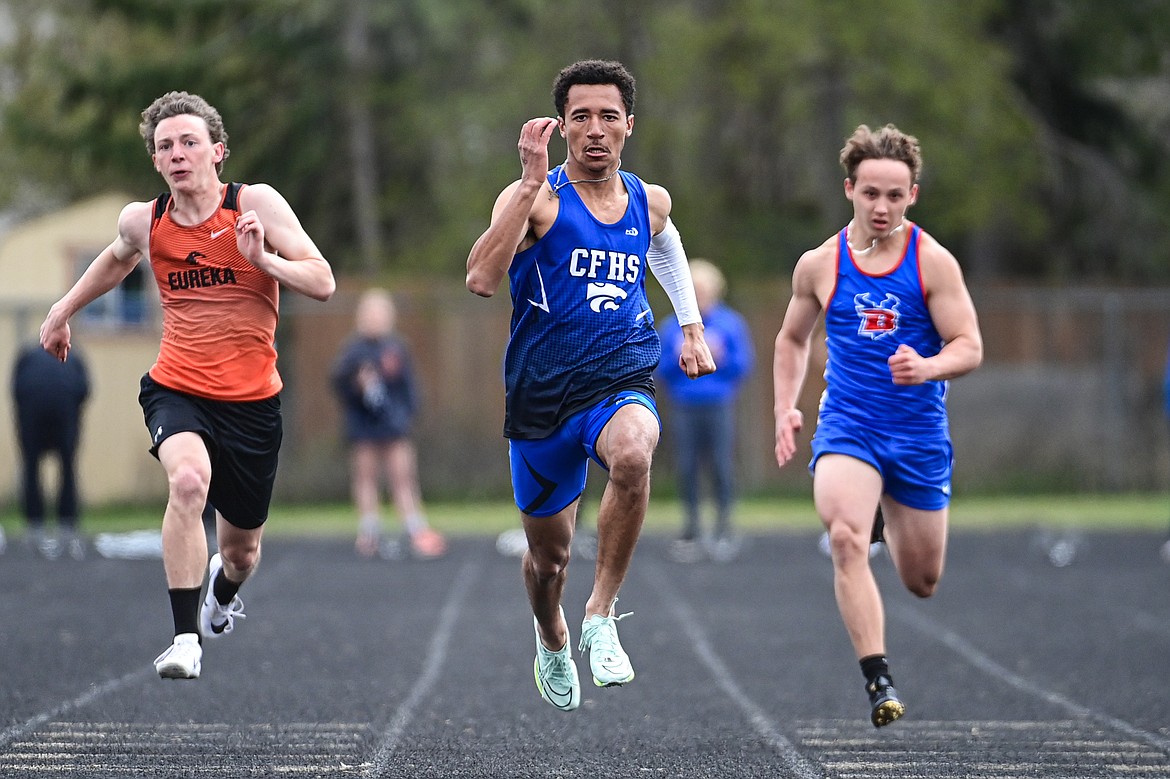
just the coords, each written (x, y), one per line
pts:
(375, 383)
(1166, 409)
(48, 398)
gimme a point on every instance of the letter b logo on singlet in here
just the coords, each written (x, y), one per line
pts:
(878, 319)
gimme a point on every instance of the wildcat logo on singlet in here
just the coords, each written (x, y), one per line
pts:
(878, 319)
(609, 266)
(604, 297)
(201, 276)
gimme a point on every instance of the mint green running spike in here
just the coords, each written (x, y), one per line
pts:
(556, 674)
(608, 661)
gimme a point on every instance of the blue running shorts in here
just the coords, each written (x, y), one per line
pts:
(549, 473)
(915, 466)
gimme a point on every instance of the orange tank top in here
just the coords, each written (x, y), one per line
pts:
(219, 310)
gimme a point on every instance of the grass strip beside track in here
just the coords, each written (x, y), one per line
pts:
(1145, 511)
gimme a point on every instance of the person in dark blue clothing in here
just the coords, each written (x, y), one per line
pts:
(48, 396)
(575, 241)
(1165, 550)
(375, 383)
(702, 415)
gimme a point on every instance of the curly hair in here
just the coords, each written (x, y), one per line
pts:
(179, 104)
(594, 72)
(888, 143)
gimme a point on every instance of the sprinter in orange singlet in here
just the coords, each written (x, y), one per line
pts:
(211, 401)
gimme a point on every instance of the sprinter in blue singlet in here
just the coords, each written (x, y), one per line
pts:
(576, 242)
(899, 324)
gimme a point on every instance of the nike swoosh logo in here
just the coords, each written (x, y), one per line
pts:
(217, 233)
(559, 698)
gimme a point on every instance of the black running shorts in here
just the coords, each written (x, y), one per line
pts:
(242, 438)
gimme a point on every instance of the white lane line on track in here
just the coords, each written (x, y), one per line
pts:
(968, 652)
(760, 721)
(436, 656)
(14, 732)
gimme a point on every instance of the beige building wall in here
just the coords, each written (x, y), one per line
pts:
(39, 260)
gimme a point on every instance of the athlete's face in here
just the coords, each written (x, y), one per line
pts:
(881, 195)
(595, 126)
(184, 153)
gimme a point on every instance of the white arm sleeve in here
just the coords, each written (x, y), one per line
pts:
(668, 263)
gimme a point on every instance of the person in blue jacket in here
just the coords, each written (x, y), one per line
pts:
(701, 422)
(374, 380)
(1165, 551)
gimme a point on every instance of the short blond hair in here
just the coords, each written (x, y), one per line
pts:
(375, 314)
(709, 271)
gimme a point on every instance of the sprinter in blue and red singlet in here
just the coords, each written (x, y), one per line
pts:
(899, 324)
